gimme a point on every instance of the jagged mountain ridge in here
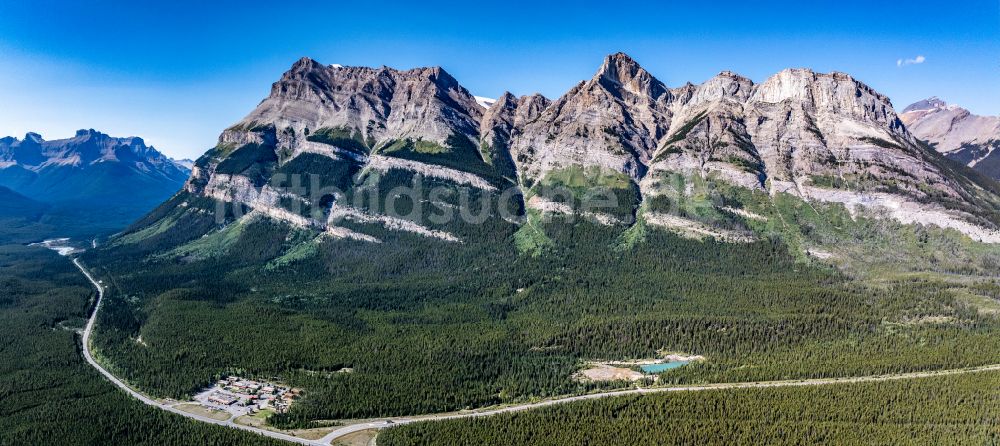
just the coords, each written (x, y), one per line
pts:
(820, 137)
(957, 133)
(381, 104)
(796, 129)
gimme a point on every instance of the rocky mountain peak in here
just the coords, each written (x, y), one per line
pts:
(529, 108)
(34, 138)
(508, 114)
(621, 72)
(726, 85)
(305, 64)
(789, 84)
(83, 133)
(505, 98)
(612, 121)
(503, 109)
(833, 94)
(441, 78)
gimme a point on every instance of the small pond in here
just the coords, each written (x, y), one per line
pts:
(662, 367)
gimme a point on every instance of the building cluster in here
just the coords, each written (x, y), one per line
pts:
(253, 395)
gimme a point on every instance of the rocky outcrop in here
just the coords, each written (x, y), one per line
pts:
(613, 121)
(957, 133)
(694, 229)
(708, 136)
(547, 206)
(496, 131)
(502, 123)
(266, 201)
(339, 213)
(812, 128)
(385, 163)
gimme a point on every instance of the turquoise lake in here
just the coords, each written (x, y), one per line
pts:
(660, 368)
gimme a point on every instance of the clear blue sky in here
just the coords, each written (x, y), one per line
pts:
(179, 72)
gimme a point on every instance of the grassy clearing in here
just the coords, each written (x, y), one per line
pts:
(579, 178)
(302, 251)
(530, 239)
(361, 438)
(258, 419)
(342, 137)
(418, 146)
(198, 409)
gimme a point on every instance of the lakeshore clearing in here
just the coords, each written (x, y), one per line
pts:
(634, 370)
(605, 372)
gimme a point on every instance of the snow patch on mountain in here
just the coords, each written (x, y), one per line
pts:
(484, 101)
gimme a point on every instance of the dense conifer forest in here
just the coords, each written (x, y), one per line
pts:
(48, 394)
(952, 410)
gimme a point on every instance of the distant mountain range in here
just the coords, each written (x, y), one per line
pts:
(92, 181)
(185, 163)
(87, 166)
(954, 131)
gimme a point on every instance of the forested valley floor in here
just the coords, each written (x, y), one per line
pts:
(48, 394)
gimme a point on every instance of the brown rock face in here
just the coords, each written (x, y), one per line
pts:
(382, 104)
(819, 136)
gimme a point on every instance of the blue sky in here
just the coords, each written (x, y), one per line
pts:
(179, 72)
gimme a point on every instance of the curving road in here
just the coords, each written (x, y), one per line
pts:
(169, 407)
(395, 421)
